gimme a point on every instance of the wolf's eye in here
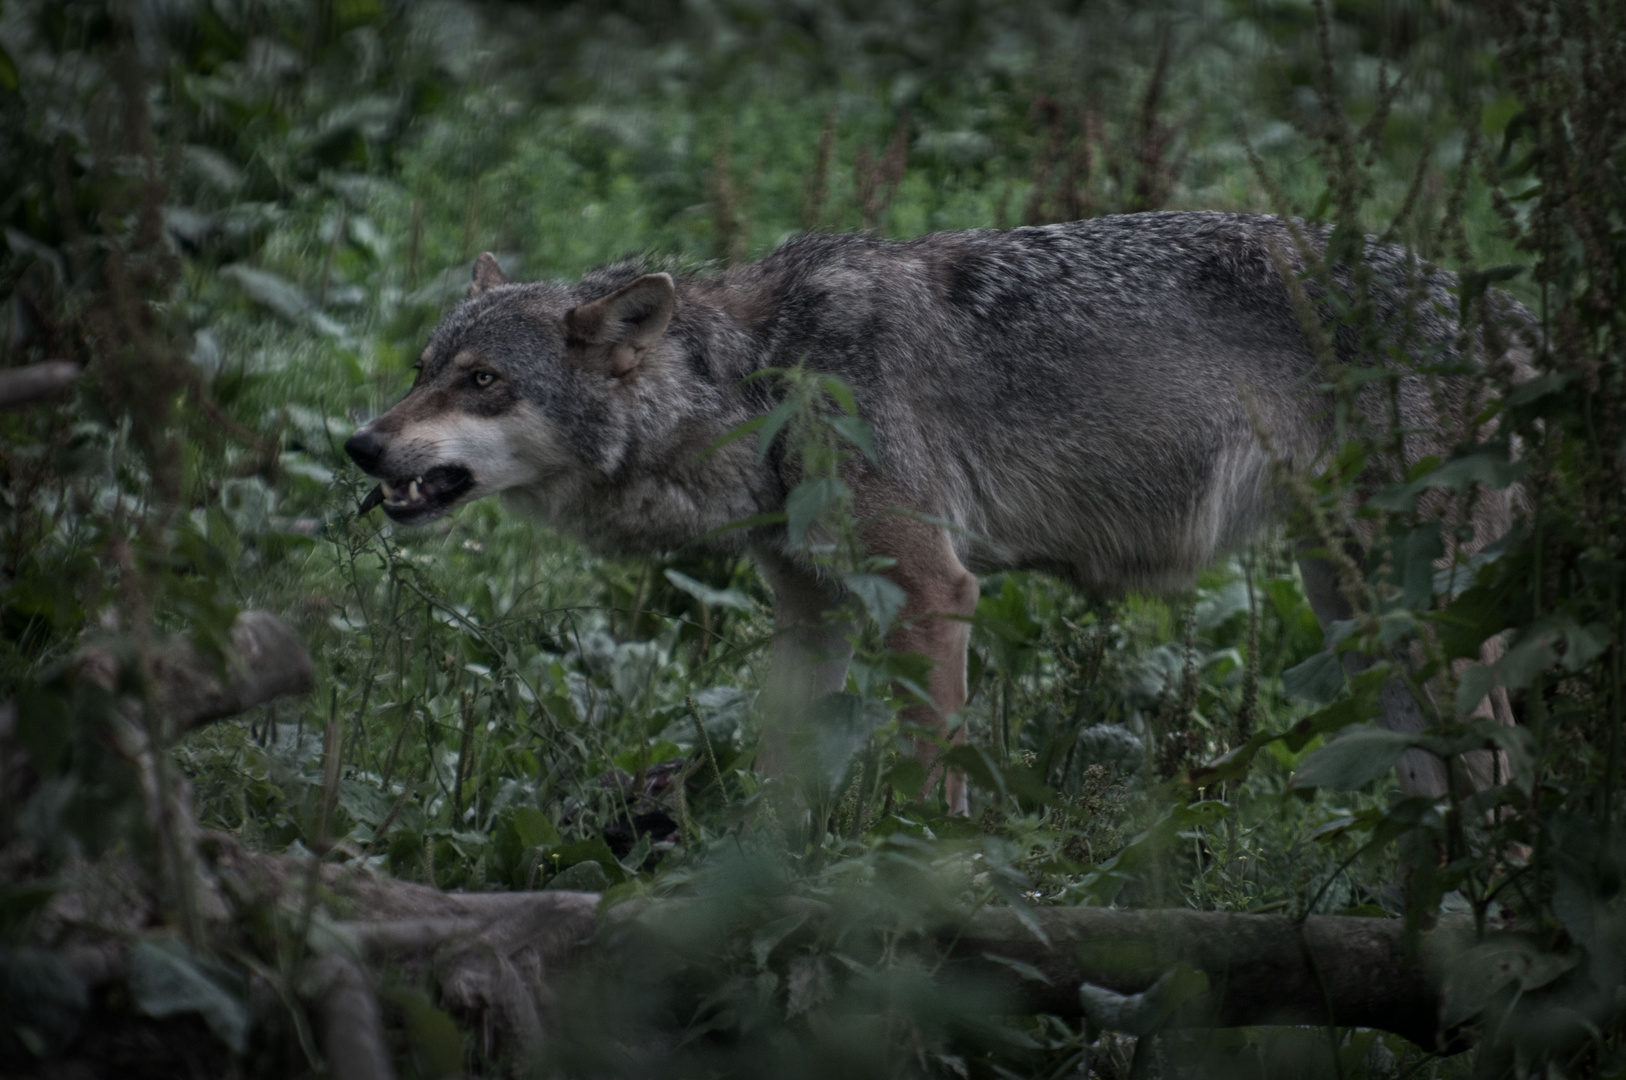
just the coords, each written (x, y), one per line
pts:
(484, 378)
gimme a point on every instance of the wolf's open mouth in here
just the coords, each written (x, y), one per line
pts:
(420, 497)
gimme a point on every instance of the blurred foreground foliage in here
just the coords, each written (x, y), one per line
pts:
(243, 217)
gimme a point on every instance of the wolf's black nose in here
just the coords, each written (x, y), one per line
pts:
(364, 449)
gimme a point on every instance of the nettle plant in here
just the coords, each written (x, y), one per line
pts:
(841, 749)
(1526, 838)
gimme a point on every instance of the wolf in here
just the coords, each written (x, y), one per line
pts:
(1114, 401)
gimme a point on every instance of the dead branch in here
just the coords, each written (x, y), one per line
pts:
(33, 382)
(349, 1018)
(262, 661)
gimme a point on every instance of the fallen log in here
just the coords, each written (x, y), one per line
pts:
(496, 958)
(262, 661)
(1261, 969)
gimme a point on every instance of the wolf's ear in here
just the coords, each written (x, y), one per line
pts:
(487, 275)
(612, 333)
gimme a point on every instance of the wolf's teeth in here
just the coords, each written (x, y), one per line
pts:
(413, 494)
(389, 489)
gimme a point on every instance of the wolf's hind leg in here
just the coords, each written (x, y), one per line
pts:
(809, 655)
(1420, 772)
(941, 596)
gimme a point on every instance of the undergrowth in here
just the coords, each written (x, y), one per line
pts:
(510, 712)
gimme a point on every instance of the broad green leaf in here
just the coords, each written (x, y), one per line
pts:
(1473, 615)
(1474, 977)
(840, 391)
(165, 979)
(1539, 387)
(1477, 681)
(1489, 466)
(1143, 1013)
(1215, 607)
(8, 71)
(270, 290)
(803, 504)
(880, 595)
(841, 726)
(739, 432)
(772, 424)
(907, 776)
(594, 850)
(855, 431)
(582, 877)
(726, 598)
(1320, 679)
(432, 1033)
(1354, 759)
(534, 828)
(767, 938)
(1415, 555)
(1022, 969)
(364, 802)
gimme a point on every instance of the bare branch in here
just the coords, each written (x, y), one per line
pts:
(26, 385)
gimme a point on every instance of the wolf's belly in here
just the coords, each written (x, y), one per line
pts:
(1113, 522)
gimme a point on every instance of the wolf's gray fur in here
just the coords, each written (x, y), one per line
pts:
(1105, 399)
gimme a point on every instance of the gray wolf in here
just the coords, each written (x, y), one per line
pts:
(1111, 400)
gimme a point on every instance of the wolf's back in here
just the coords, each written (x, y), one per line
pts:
(1105, 398)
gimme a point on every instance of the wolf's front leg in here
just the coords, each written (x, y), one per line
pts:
(808, 658)
(941, 597)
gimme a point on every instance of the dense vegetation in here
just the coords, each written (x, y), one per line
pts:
(243, 220)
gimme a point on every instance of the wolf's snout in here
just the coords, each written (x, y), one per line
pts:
(365, 449)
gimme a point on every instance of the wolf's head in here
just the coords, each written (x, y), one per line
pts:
(515, 390)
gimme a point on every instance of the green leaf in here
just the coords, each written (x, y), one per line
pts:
(726, 598)
(740, 432)
(1319, 679)
(1539, 387)
(1474, 615)
(977, 766)
(1489, 466)
(1143, 1013)
(772, 424)
(39, 992)
(768, 937)
(166, 978)
(1023, 969)
(8, 72)
(803, 504)
(364, 802)
(1415, 555)
(583, 851)
(754, 521)
(533, 827)
(840, 391)
(432, 1033)
(270, 290)
(881, 597)
(1477, 681)
(1476, 976)
(842, 725)
(1352, 760)
(907, 776)
(583, 877)
(855, 431)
